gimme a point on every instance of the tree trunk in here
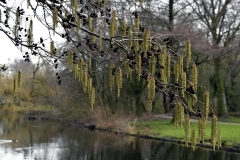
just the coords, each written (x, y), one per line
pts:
(165, 104)
(138, 105)
(221, 98)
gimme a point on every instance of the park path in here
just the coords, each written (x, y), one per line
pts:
(169, 116)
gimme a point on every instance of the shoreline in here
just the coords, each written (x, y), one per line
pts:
(163, 139)
(92, 126)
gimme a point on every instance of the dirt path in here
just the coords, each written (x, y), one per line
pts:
(169, 116)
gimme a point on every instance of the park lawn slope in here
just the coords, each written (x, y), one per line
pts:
(165, 129)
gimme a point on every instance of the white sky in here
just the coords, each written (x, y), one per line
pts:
(9, 52)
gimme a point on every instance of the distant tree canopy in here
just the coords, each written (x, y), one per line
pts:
(99, 35)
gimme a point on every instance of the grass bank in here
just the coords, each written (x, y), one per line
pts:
(122, 122)
(165, 129)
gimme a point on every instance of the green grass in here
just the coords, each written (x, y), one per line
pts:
(163, 128)
(230, 119)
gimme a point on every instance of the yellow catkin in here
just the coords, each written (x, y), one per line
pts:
(188, 53)
(55, 19)
(138, 65)
(152, 64)
(127, 68)
(180, 65)
(124, 28)
(115, 21)
(19, 82)
(80, 69)
(70, 59)
(111, 30)
(184, 83)
(130, 36)
(168, 67)
(206, 105)
(214, 131)
(162, 63)
(136, 46)
(176, 117)
(104, 4)
(113, 24)
(176, 73)
(78, 23)
(219, 138)
(201, 129)
(52, 47)
(189, 101)
(85, 78)
(193, 139)
(102, 23)
(75, 7)
(156, 47)
(75, 73)
(146, 40)
(179, 115)
(111, 77)
(90, 23)
(151, 89)
(119, 80)
(194, 73)
(187, 129)
(72, 3)
(136, 23)
(89, 85)
(15, 32)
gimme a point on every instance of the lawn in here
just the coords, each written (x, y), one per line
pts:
(165, 129)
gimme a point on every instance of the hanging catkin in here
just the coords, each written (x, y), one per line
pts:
(119, 80)
(214, 131)
(151, 89)
(188, 53)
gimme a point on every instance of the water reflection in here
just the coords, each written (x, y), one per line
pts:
(46, 140)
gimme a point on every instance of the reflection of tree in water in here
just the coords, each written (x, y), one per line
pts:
(52, 140)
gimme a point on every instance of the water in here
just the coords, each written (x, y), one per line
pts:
(46, 140)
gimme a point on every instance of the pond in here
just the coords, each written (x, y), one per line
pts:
(49, 140)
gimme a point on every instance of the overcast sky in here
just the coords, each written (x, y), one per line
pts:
(9, 52)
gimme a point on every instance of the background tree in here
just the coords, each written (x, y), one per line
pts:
(220, 18)
(100, 37)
